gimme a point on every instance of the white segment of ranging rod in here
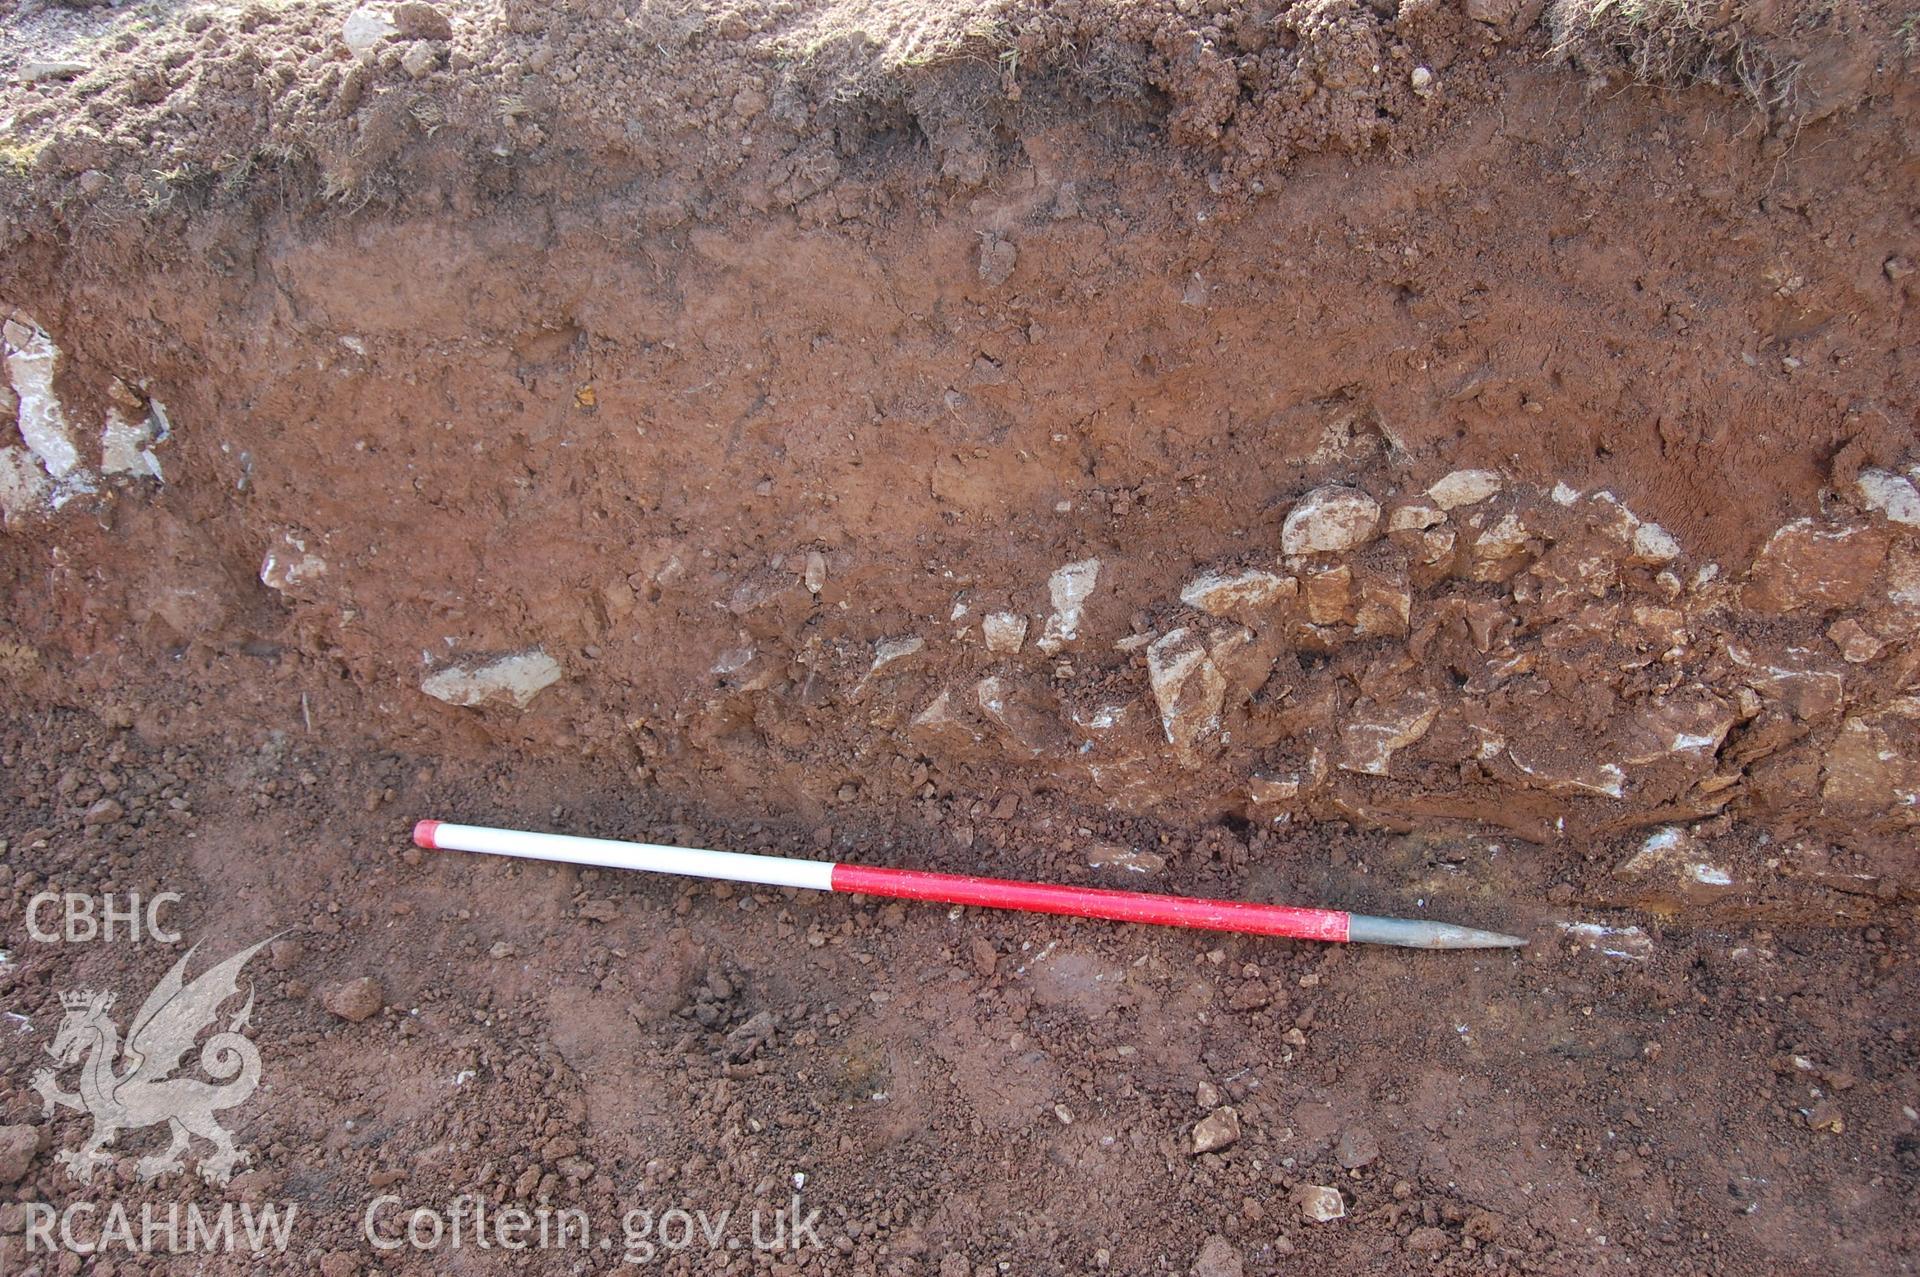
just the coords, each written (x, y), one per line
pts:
(695, 862)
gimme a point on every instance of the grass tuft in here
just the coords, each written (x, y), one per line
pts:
(1683, 43)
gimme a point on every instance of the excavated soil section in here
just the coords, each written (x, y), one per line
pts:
(1319, 452)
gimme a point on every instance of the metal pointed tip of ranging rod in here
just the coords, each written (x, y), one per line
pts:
(1410, 933)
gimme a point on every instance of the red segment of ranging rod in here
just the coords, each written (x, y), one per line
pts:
(960, 889)
(1095, 902)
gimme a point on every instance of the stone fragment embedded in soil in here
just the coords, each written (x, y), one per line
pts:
(1357, 1147)
(1328, 594)
(1500, 551)
(1109, 856)
(1857, 645)
(1216, 1131)
(19, 1145)
(1190, 690)
(1902, 592)
(1890, 494)
(290, 567)
(1025, 726)
(1672, 860)
(1812, 564)
(1415, 516)
(44, 71)
(421, 59)
(1564, 769)
(1102, 719)
(1273, 791)
(1320, 1203)
(1004, 632)
(1218, 1257)
(1662, 629)
(1382, 604)
(516, 679)
(939, 726)
(731, 660)
(367, 28)
(1464, 487)
(42, 421)
(1646, 542)
(1807, 684)
(1369, 739)
(888, 653)
(1329, 520)
(422, 21)
(1873, 765)
(48, 472)
(1437, 545)
(1628, 942)
(1574, 574)
(355, 1000)
(1232, 593)
(1690, 722)
(24, 487)
(998, 256)
(1068, 590)
(126, 447)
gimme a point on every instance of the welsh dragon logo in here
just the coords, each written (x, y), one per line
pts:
(128, 1087)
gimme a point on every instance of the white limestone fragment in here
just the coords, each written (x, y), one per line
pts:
(1630, 943)
(517, 678)
(1328, 520)
(125, 448)
(1563, 775)
(1189, 689)
(1654, 544)
(1464, 487)
(1498, 550)
(1415, 516)
(1672, 852)
(1322, 1204)
(42, 420)
(1068, 588)
(367, 28)
(1648, 541)
(1004, 631)
(1369, 740)
(1107, 856)
(888, 651)
(290, 565)
(1220, 593)
(1891, 495)
(1270, 790)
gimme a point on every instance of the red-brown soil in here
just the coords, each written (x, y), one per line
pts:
(743, 373)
